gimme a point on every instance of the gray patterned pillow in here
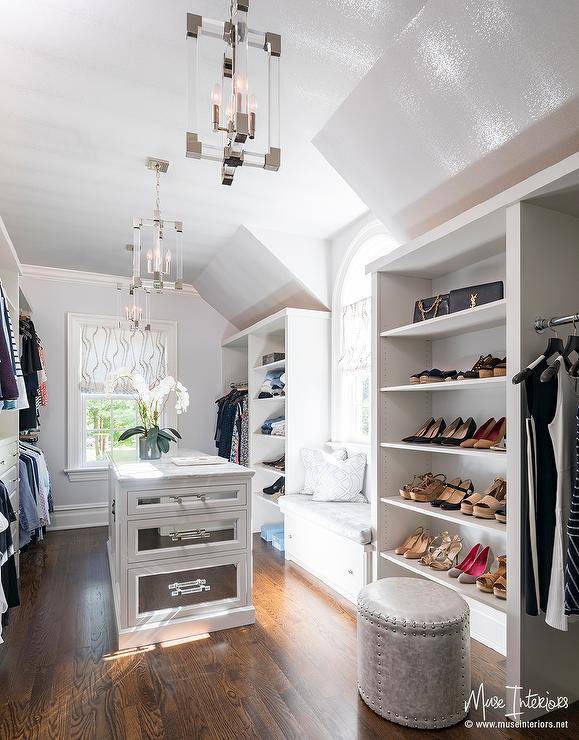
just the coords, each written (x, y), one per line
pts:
(342, 480)
(314, 460)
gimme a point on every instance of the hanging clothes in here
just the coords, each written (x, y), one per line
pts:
(8, 386)
(8, 579)
(562, 431)
(541, 402)
(31, 367)
(232, 427)
(572, 567)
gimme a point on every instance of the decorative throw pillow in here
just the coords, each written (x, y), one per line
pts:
(342, 480)
(313, 460)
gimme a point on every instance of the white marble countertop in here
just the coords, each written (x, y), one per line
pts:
(147, 470)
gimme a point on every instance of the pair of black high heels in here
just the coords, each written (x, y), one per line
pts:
(435, 431)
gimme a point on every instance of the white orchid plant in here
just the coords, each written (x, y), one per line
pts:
(151, 403)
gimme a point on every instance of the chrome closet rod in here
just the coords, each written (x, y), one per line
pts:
(542, 324)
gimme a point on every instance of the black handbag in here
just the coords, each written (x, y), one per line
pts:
(476, 295)
(430, 308)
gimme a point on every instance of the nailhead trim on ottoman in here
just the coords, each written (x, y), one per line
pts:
(414, 652)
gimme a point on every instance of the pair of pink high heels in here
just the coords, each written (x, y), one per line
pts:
(477, 562)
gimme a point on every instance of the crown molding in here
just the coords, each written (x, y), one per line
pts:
(93, 278)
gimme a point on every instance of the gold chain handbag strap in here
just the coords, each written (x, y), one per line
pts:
(435, 306)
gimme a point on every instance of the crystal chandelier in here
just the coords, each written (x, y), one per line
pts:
(134, 311)
(237, 123)
(158, 262)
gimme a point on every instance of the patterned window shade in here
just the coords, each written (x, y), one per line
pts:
(106, 348)
(355, 351)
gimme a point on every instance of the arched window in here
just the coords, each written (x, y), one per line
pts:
(352, 337)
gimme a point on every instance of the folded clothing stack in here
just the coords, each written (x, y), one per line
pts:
(273, 384)
(274, 426)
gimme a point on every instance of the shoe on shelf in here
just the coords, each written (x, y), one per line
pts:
(415, 483)
(480, 433)
(500, 446)
(425, 435)
(466, 563)
(278, 464)
(473, 374)
(465, 431)
(278, 486)
(447, 492)
(435, 547)
(500, 369)
(501, 514)
(435, 375)
(487, 581)
(491, 503)
(494, 436)
(495, 487)
(421, 546)
(456, 498)
(410, 541)
(449, 431)
(421, 431)
(488, 365)
(445, 560)
(479, 565)
(415, 379)
(500, 587)
(431, 488)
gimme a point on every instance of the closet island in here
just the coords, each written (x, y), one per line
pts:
(179, 548)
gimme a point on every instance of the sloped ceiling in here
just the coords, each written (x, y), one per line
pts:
(470, 98)
(246, 281)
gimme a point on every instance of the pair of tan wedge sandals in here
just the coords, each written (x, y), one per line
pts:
(490, 504)
(495, 582)
(438, 552)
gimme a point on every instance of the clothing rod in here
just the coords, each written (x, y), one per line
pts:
(542, 324)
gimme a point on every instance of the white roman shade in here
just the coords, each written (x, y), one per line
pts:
(355, 350)
(107, 348)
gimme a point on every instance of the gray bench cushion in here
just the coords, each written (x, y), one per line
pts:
(346, 519)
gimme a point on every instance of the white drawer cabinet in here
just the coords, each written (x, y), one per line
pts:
(179, 549)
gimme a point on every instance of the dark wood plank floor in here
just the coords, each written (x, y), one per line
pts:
(292, 675)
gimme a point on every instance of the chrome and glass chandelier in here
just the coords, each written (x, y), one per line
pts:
(133, 307)
(151, 237)
(232, 106)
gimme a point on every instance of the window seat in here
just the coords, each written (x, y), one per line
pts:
(349, 520)
(331, 540)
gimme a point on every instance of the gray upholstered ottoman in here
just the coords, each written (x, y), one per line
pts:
(414, 652)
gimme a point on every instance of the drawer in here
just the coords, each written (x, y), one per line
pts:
(175, 589)
(10, 479)
(8, 456)
(186, 499)
(169, 537)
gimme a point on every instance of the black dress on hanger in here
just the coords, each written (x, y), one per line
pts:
(541, 399)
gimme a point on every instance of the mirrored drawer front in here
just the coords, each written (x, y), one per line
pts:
(172, 590)
(183, 500)
(171, 536)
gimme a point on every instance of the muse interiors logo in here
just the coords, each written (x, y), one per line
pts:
(522, 700)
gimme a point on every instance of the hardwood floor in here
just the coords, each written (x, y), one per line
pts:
(292, 675)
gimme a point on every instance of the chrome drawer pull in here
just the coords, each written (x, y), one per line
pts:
(191, 534)
(189, 587)
(179, 500)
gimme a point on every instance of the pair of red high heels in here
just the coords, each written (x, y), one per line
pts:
(491, 433)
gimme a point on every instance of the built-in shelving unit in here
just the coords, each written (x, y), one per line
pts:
(303, 336)
(527, 237)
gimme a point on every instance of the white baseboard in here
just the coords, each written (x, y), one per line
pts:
(78, 516)
(488, 626)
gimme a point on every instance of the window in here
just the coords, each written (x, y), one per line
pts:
(96, 347)
(352, 338)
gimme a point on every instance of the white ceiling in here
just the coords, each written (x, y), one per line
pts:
(472, 98)
(90, 89)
